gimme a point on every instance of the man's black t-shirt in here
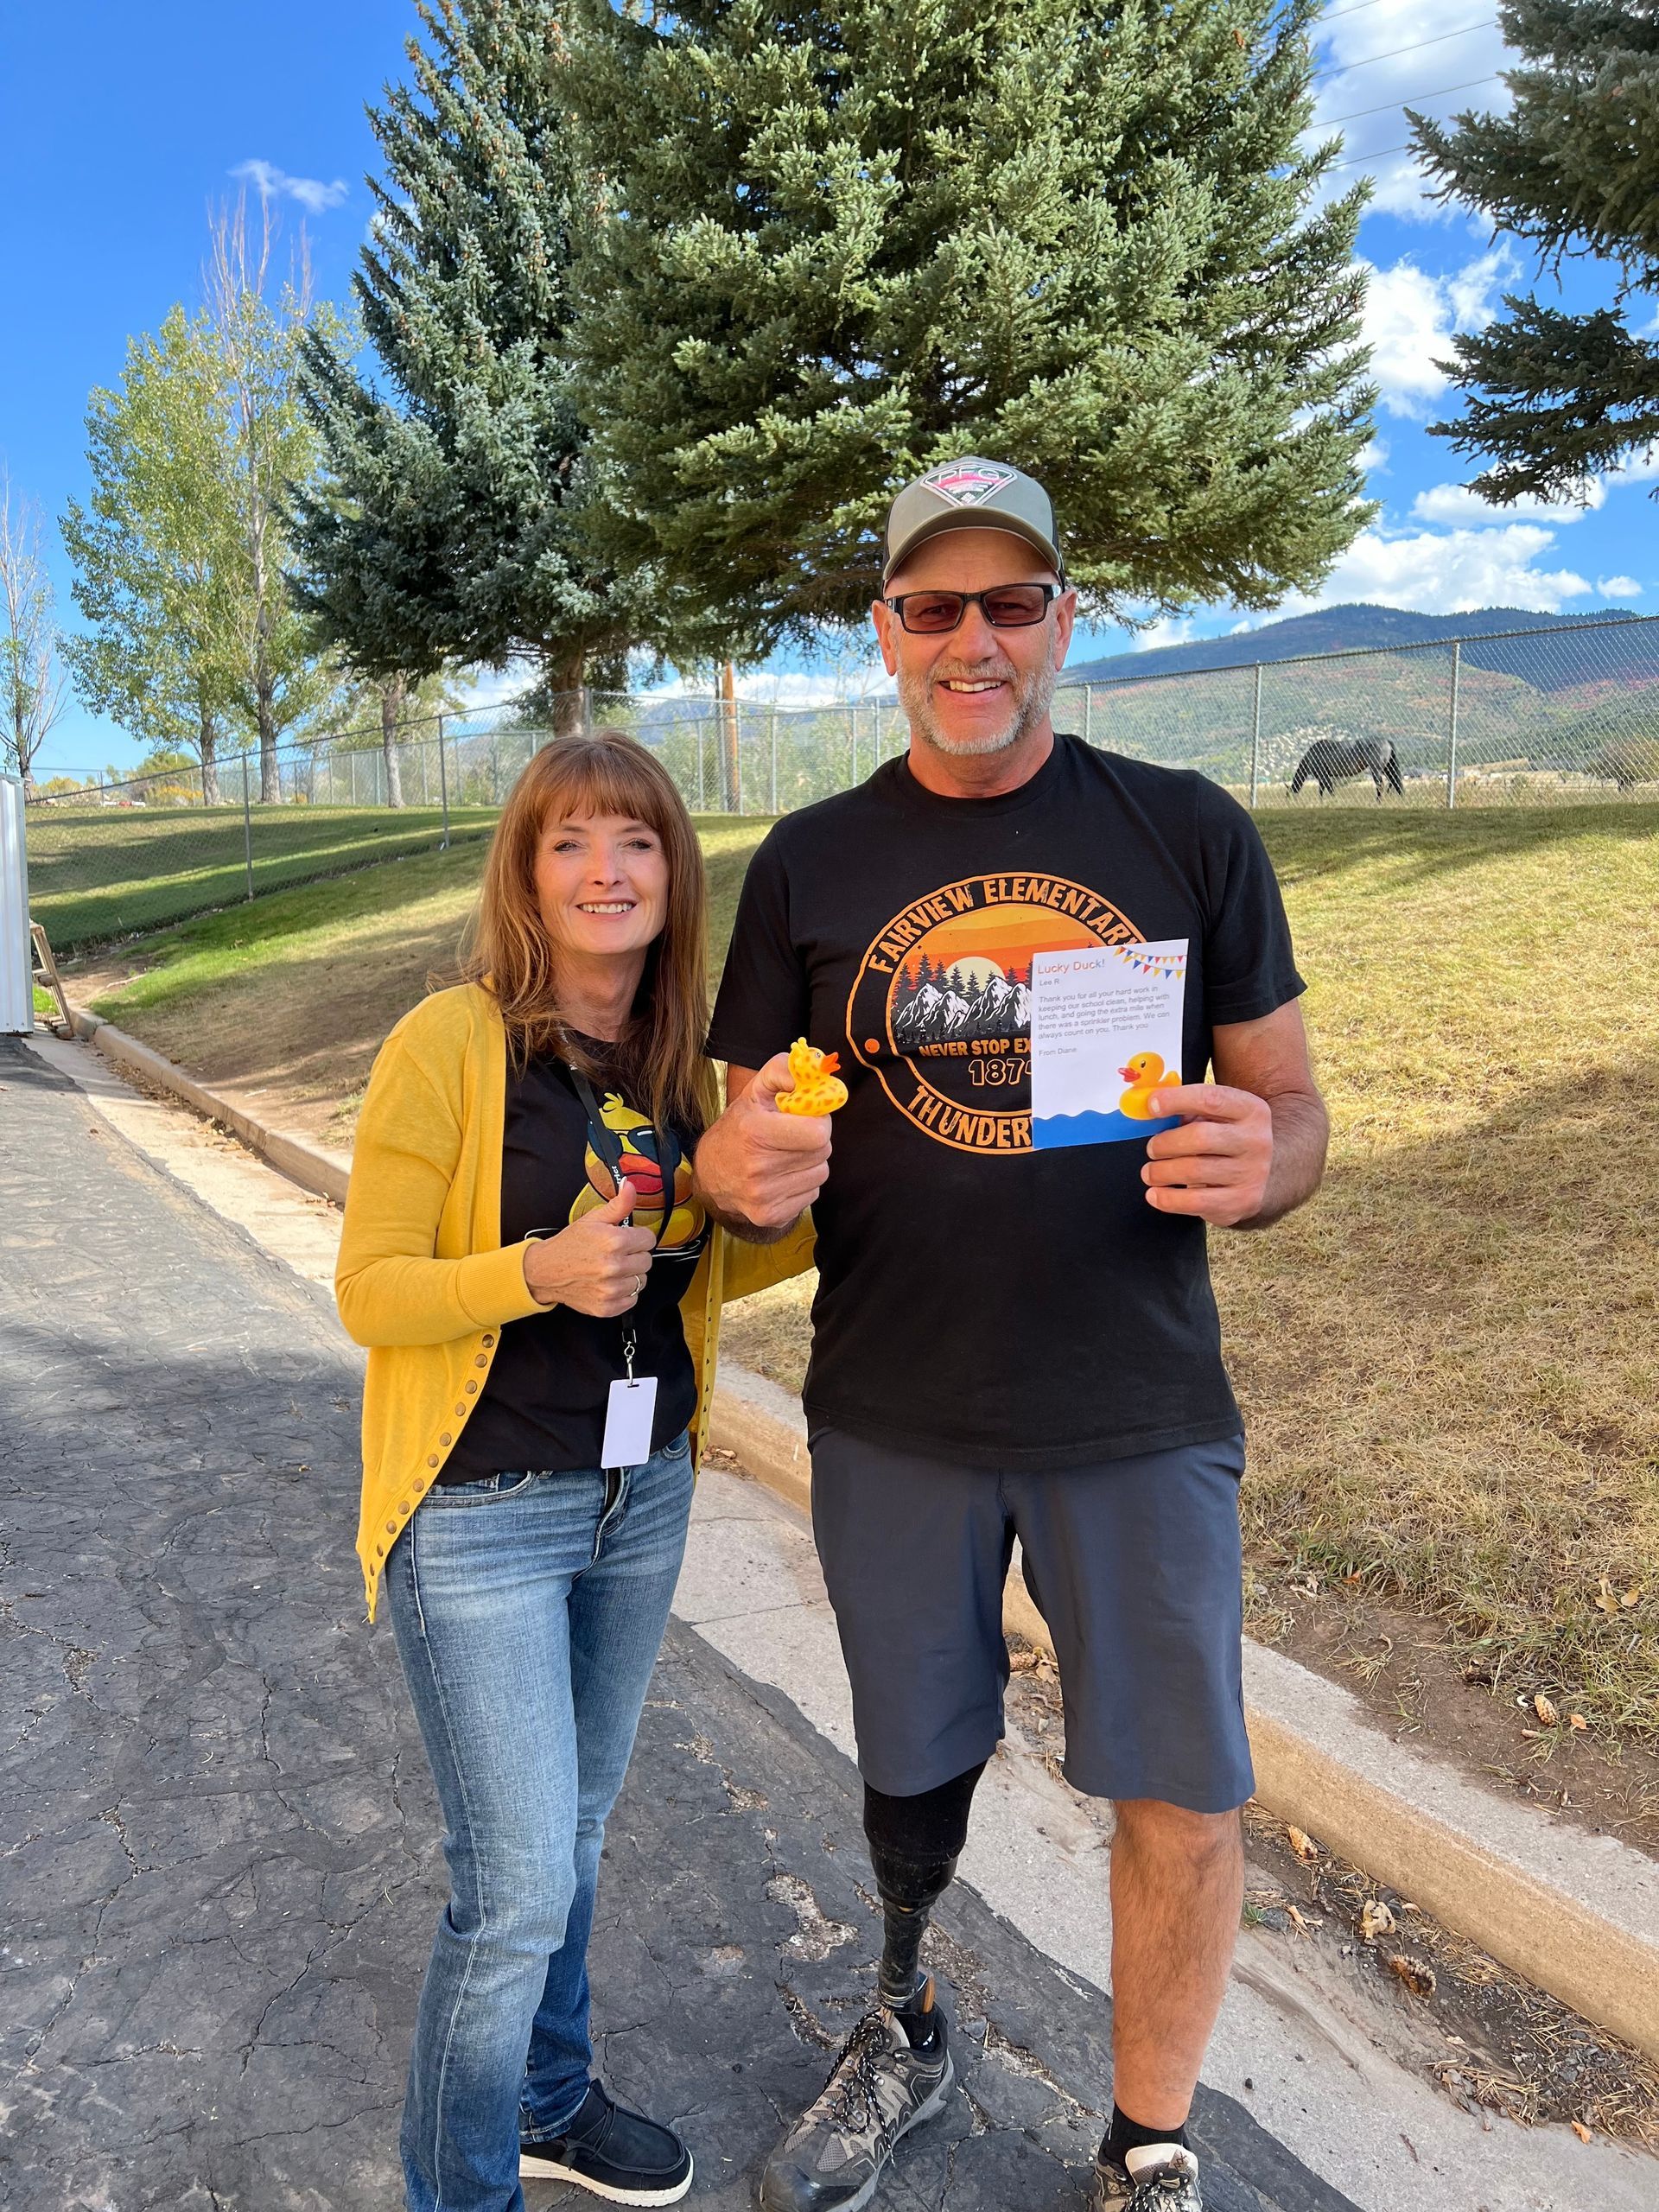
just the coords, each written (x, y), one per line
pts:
(1000, 1305)
(542, 1406)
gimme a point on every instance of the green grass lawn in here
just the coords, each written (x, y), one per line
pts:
(96, 874)
(292, 994)
(1450, 1362)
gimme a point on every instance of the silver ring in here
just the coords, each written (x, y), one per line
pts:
(638, 1286)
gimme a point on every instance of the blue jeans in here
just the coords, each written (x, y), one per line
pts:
(528, 1610)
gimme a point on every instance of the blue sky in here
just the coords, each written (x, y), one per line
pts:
(122, 125)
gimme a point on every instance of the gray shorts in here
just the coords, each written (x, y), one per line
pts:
(1134, 1564)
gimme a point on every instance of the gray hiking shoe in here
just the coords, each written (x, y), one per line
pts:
(878, 2090)
(1161, 2177)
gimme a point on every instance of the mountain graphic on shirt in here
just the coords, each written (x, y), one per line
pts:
(932, 1008)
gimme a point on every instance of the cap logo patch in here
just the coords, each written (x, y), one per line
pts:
(967, 483)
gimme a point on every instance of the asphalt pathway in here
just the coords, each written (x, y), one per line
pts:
(218, 1847)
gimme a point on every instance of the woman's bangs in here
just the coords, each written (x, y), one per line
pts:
(604, 781)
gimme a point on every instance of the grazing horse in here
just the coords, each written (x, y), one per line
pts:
(1332, 760)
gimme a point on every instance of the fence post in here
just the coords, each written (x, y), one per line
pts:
(247, 824)
(774, 756)
(495, 769)
(1088, 714)
(1451, 724)
(444, 790)
(1256, 739)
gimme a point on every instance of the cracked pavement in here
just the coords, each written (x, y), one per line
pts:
(220, 1859)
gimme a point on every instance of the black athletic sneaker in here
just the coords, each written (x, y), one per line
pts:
(879, 2089)
(1159, 2178)
(618, 2154)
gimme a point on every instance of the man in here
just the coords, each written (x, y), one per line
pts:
(1010, 1342)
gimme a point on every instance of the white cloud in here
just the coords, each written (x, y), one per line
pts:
(272, 183)
(1618, 588)
(1462, 505)
(1171, 629)
(1637, 468)
(1374, 458)
(1449, 572)
(791, 690)
(1410, 316)
(1376, 60)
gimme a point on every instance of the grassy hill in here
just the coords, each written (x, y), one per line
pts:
(1360, 626)
(1450, 1362)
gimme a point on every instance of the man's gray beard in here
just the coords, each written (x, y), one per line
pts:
(1030, 705)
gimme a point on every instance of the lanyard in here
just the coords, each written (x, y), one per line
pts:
(609, 1145)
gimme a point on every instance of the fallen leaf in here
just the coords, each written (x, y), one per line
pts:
(1581, 2131)
(1605, 1600)
(1544, 1711)
(1419, 1979)
(1577, 1721)
(1303, 1845)
(1376, 1920)
(1631, 1596)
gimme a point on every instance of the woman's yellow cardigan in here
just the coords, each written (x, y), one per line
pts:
(423, 1279)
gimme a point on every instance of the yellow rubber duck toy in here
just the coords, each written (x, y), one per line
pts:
(1145, 1073)
(819, 1089)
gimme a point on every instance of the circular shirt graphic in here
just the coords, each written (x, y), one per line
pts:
(940, 1010)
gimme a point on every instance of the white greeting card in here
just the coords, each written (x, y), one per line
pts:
(1105, 1039)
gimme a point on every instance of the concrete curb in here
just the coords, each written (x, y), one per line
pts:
(1575, 1914)
(312, 1167)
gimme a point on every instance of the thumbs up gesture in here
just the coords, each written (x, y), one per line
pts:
(599, 1265)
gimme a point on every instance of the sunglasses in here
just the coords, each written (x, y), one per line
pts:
(1010, 607)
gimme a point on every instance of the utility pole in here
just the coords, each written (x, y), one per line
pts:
(1451, 724)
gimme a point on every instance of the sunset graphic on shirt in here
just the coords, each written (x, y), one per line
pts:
(941, 1008)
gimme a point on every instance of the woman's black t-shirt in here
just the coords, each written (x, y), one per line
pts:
(543, 1408)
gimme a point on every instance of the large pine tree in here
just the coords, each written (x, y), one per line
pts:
(1573, 169)
(451, 528)
(851, 239)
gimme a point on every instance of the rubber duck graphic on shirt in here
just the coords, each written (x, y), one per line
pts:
(643, 1169)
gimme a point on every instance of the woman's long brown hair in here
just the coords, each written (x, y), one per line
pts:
(508, 950)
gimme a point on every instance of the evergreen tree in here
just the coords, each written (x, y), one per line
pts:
(850, 240)
(451, 528)
(1573, 169)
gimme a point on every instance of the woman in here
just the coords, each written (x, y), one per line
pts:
(541, 1299)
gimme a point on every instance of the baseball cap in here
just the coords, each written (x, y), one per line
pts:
(971, 493)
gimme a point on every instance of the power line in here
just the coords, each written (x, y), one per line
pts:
(1341, 68)
(1412, 99)
(1334, 14)
(1359, 160)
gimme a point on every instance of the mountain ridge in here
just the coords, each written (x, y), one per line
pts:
(1358, 626)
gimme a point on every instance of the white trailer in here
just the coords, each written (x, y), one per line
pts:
(16, 952)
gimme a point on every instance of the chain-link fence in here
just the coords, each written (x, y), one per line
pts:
(1533, 717)
(1557, 715)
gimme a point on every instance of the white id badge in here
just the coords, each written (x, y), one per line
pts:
(628, 1419)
